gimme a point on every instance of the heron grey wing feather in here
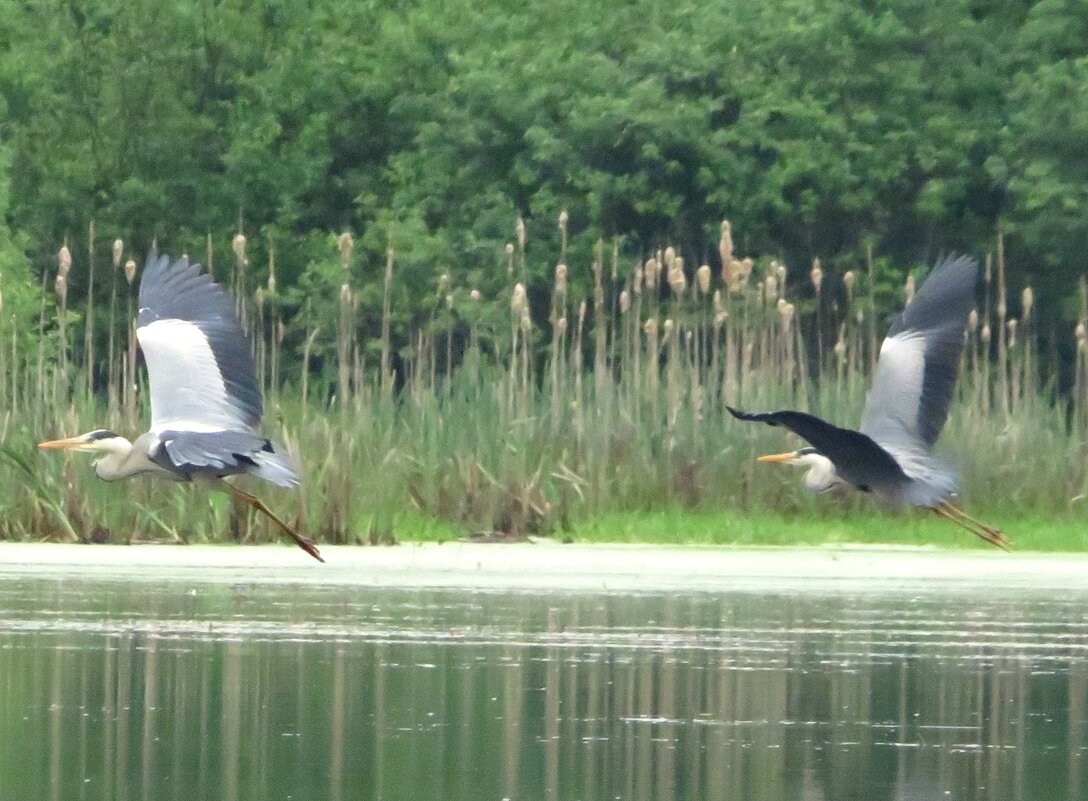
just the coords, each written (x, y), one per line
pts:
(919, 361)
(195, 451)
(198, 357)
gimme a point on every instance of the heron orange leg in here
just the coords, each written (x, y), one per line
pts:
(976, 527)
(302, 542)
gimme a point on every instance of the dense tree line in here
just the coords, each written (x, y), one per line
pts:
(817, 126)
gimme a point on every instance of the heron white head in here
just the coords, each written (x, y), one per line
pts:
(821, 473)
(111, 448)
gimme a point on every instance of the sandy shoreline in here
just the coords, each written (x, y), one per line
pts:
(550, 566)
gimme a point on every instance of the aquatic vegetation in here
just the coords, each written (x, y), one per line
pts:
(529, 412)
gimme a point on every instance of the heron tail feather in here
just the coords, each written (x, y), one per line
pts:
(277, 468)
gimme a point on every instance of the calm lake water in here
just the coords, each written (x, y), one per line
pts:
(157, 682)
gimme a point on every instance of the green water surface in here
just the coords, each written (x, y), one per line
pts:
(160, 686)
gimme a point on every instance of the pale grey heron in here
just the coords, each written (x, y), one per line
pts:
(905, 411)
(205, 399)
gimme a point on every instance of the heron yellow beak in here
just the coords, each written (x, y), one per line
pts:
(778, 457)
(65, 444)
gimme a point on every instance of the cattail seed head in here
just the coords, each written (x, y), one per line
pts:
(667, 328)
(650, 327)
(652, 272)
(346, 244)
(719, 319)
(449, 300)
(849, 279)
(563, 217)
(636, 281)
(130, 271)
(238, 245)
(118, 251)
(717, 300)
(785, 312)
(60, 284)
(770, 287)
(1002, 309)
(985, 335)
(677, 281)
(281, 332)
(625, 301)
(520, 229)
(526, 322)
(560, 277)
(474, 295)
(816, 275)
(740, 272)
(443, 283)
(840, 348)
(670, 256)
(1081, 333)
(64, 260)
(1027, 301)
(561, 325)
(780, 273)
(972, 321)
(1012, 324)
(345, 294)
(908, 288)
(702, 276)
(725, 250)
(518, 300)
(271, 283)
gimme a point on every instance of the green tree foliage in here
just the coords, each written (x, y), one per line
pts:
(431, 126)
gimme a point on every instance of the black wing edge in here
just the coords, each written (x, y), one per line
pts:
(856, 457)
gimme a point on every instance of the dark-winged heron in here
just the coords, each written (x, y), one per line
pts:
(905, 410)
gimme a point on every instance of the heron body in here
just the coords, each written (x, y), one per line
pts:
(905, 411)
(205, 400)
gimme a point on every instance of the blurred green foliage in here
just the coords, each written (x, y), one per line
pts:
(816, 126)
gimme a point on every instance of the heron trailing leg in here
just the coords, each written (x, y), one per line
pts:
(976, 527)
(303, 543)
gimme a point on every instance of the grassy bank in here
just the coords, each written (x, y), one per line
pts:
(594, 416)
(829, 527)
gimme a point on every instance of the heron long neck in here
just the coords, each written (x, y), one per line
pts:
(116, 463)
(821, 473)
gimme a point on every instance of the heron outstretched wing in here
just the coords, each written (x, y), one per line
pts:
(857, 458)
(916, 372)
(199, 364)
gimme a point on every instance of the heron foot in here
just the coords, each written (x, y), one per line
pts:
(981, 530)
(308, 545)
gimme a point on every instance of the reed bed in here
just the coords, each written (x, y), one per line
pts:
(496, 417)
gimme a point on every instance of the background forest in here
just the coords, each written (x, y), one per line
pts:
(478, 144)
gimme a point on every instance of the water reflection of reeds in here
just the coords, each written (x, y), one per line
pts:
(563, 697)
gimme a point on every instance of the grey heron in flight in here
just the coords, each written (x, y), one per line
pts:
(905, 411)
(205, 399)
